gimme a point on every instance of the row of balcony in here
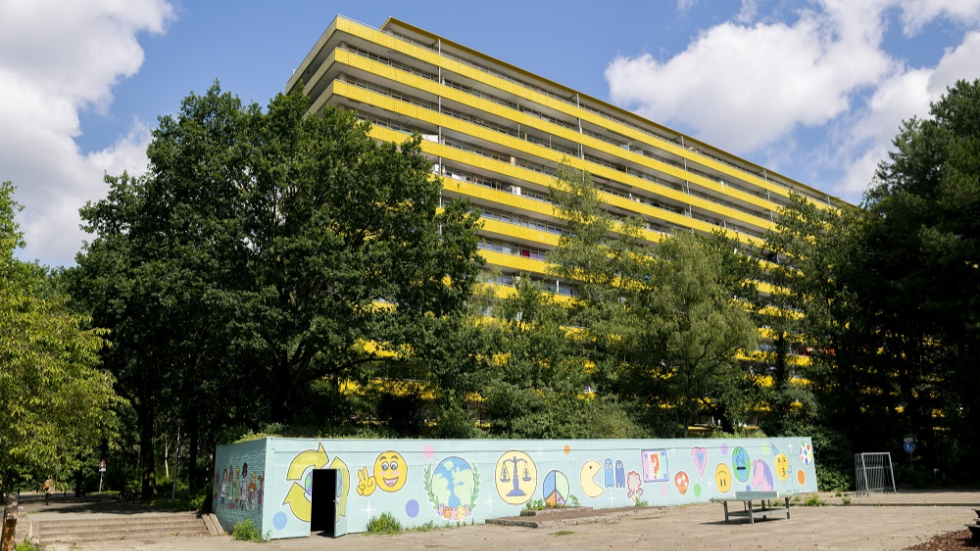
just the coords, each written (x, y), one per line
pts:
(623, 142)
(575, 100)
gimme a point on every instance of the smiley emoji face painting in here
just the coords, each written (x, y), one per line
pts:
(723, 478)
(390, 474)
(782, 467)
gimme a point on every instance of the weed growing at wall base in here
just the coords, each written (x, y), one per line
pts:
(384, 524)
(246, 531)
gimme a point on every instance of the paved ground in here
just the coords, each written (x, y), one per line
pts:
(887, 522)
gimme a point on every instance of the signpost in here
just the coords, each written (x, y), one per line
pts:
(909, 446)
(101, 473)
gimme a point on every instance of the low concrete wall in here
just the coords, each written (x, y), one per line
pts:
(464, 481)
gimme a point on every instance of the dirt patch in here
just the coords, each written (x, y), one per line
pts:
(571, 516)
(950, 541)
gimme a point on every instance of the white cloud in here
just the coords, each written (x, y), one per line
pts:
(917, 13)
(903, 95)
(57, 59)
(748, 87)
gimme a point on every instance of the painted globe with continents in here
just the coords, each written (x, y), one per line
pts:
(453, 487)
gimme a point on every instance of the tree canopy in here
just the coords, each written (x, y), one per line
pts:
(265, 252)
(56, 401)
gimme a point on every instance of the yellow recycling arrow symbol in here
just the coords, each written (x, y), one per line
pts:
(310, 458)
(298, 504)
(297, 498)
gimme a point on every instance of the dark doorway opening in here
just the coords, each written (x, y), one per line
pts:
(323, 502)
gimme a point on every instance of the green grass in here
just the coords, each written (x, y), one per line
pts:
(384, 524)
(427, 527)
(25, 546)
(562, 533)
(813, 500)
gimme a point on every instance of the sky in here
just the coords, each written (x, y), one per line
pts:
(812, 89)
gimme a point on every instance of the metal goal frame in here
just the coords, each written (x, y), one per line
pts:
(873, 473)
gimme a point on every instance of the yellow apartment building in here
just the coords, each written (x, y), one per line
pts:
(496, 134)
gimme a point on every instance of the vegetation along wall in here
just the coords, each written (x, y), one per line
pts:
(463, 481)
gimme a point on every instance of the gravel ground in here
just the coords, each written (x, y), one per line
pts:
(923, 521)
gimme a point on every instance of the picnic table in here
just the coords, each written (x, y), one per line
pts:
(768, 505)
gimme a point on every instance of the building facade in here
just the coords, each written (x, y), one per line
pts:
(496, 135)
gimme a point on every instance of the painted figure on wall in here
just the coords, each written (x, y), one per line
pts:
(261, 488)
(224, 485)
(761, 476)
(610, 475)
(633, 483)
(243, 487)
(620, 474)
(682, 482)
(590, 470)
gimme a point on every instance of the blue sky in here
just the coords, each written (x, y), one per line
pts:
(812, 89)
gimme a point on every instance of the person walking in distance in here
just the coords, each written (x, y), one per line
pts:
(48, 490)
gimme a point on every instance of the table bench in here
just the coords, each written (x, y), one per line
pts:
(975, 527)
(764, 509)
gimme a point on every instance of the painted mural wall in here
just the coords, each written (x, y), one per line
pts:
(239, 483)
(464, 481)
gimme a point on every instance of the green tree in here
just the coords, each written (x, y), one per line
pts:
(266, 253)
(663, 317)
(922, 247)
(57, 403)
(540, 384)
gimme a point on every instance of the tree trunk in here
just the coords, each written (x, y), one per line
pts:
(281, 394)
(9, 522)
(147, 457)
(79, 476)
(192, 477)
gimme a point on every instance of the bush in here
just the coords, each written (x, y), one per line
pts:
(246, 531)
(384, 524)
(914, 477)
(200, 500)
(25, 546)
(834, 479)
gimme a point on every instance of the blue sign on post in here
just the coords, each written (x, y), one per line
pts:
(908, 446)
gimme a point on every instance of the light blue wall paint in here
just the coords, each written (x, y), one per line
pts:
(450, 481)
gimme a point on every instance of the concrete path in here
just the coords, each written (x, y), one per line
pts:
(879, 522)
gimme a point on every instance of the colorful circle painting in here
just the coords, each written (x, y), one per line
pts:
(801, 477)
(279, 521)
(412, 508)
(723, 478)
(452, 486)
(516, 477)
(741, 464)
(782, 467)
(555, 489)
